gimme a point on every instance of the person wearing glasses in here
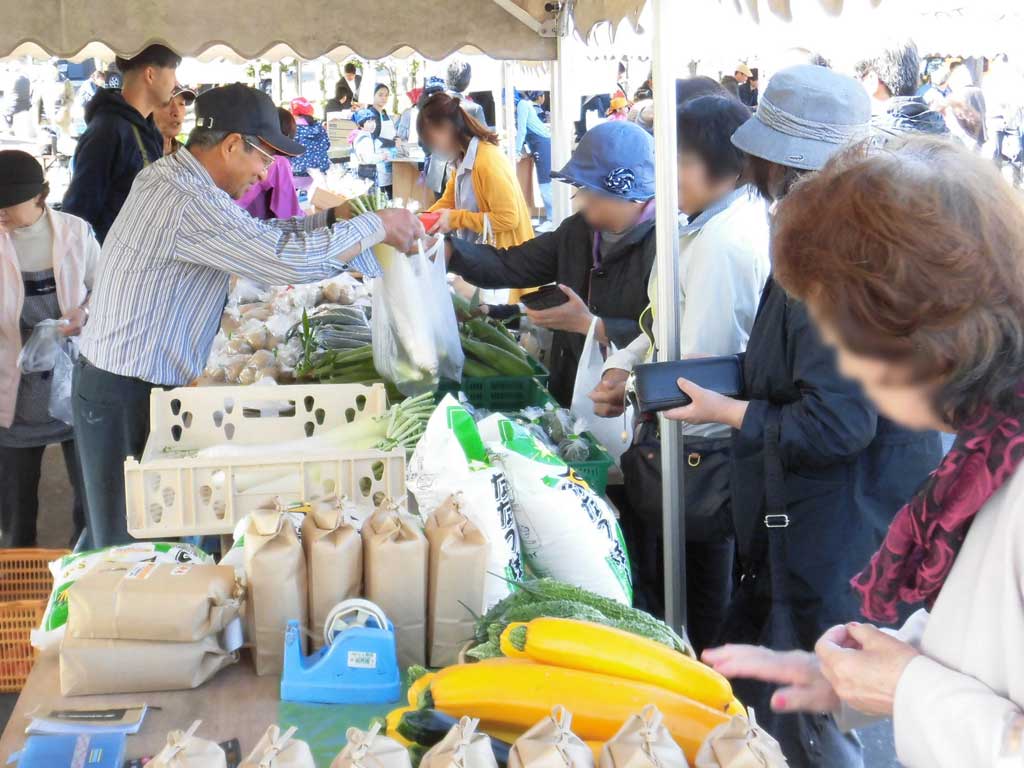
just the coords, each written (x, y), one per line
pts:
(163, 276)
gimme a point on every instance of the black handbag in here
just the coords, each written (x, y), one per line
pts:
(653, 387)
(706, 464)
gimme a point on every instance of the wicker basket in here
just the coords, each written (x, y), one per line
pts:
(25, 586)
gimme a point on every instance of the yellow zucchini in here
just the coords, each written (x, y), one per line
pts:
(391, 725)
(417, 688)
(506, 644)
(736, 708)
(598, 648)
(520, 693)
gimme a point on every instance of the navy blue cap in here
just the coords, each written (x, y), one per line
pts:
(362, 115)
(614, 158)
(238, 108)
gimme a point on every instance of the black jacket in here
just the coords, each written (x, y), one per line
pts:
(108, 156)
(846, 470)
(616, 292)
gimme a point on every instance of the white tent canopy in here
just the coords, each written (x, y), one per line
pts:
(309, 29)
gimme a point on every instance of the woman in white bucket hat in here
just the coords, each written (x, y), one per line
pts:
(818, 474)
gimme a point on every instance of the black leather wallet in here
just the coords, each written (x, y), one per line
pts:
(652, 387)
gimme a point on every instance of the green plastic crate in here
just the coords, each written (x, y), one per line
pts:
(500, 393)
(594, 470)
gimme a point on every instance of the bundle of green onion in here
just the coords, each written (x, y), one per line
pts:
(407, 421)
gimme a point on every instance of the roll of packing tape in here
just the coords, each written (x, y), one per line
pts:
(338, 620)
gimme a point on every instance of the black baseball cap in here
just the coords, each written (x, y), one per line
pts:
(238, 108)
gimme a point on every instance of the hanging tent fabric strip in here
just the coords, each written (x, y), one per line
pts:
(310, 29)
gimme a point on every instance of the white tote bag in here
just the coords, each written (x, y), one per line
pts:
(609, 431)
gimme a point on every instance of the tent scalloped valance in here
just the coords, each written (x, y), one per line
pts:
(310, 28)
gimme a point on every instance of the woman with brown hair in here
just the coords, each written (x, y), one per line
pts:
(483, 196)
(909, 260)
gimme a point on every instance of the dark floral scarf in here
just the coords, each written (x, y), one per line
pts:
(926, 535)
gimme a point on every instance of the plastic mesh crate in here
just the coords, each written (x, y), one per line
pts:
(25, 586)
(171, 494)
(25, 573)
(500, 393)
(17, 620)
(594, 470)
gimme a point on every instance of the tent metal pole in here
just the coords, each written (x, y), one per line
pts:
(509, 110)
(562, 121)
(669, 38)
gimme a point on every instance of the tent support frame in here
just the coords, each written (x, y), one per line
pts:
(669, 37)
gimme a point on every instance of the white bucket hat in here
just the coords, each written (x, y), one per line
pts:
(805, 115)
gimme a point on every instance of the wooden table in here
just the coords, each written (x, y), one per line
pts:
(235, 704)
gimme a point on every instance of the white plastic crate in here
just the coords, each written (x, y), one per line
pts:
(170, 495)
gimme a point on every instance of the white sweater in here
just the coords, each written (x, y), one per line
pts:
(723, 266)
(959, 704)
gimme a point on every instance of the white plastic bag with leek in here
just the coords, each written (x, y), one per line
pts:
(415, 334)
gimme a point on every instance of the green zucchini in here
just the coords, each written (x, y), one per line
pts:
(477, 370)
(503, 362)
(484, 331)
(428, 727)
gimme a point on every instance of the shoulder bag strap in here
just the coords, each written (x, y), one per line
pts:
(142, 147)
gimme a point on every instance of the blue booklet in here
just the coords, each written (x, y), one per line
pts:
(73, 750)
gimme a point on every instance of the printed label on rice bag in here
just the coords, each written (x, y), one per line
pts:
(141, 571)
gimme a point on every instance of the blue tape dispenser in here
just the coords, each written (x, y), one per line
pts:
(357, 665)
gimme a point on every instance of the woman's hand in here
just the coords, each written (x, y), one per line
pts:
(864, 665)
(804, 687)
(573, 316)
(444, 223)
(610, 392)
(76, 320)
(708, 407)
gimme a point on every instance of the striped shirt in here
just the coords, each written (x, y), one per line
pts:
(162, 279)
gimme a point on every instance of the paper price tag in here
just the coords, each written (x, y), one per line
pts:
(362, 660)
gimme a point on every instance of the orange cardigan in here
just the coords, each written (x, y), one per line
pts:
(497, 194)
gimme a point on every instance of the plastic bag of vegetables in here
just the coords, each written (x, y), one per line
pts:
(567, 530)
(412, 340)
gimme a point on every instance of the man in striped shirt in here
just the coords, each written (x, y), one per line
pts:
(163, 279)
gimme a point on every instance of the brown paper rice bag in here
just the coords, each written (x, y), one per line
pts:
(462, 747)
(395, 578)
(740, 743)
(186, 750)
(279, 750)
(275, 572)
(166, 602)
(458, 569)
(643, 742)
(135, 666)
(368, 749)
(334, 562)
(551, 744)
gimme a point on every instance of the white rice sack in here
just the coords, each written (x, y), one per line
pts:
(567, 530)
(450, 458)
(68, 569)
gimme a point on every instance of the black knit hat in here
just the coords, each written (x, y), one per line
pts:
(21, 177)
